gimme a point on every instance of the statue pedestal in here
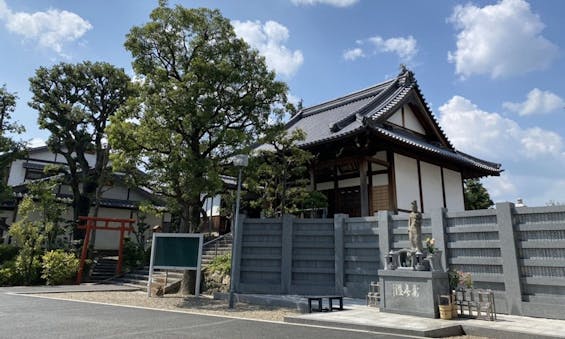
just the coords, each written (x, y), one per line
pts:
(412, 292)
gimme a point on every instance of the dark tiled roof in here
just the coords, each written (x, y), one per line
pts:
(369, 109)
(457, 156)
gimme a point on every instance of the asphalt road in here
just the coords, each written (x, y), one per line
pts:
(31, 317)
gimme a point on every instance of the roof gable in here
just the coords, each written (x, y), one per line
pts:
(376, 109)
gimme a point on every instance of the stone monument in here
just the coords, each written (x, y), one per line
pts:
(415, 228)
(408, 286)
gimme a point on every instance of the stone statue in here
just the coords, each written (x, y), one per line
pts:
(415, 228)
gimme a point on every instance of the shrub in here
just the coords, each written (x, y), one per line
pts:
(7, 253)
(59, 267)
(221, 265)
(134, 255)
(9, 275)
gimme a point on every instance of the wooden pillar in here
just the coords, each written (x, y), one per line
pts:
(337, 206)
(391, 182)
(363, 189)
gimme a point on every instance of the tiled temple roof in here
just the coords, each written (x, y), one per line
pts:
(369, 109)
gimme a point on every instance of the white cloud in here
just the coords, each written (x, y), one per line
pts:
(336, 3)
(492, 136)
(51, 29)
(405, 48)
(269, 39)
(499, 40)
(537, 102)
(354, 53)
(500, 187)
(532, 157)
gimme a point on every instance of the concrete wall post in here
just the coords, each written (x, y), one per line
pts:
(512, 284)
(339, 226)
(237, 239)
(286, 261)
(438, 233)
(385, 223)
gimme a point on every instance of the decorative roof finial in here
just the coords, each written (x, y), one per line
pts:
(403, 69)
(406, 76)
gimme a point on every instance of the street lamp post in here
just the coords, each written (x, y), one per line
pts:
(240, 161)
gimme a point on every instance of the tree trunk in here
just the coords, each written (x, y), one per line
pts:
(189, 222)
(82, 209)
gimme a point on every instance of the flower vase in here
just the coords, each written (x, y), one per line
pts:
(435, 261)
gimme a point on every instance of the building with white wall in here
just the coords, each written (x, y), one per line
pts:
(381, 148)
(118, 199)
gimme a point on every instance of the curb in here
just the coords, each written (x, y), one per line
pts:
(447, 331)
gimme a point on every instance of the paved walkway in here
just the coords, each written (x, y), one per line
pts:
(358, 316)
(367, 318)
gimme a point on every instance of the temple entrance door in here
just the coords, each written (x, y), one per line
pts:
(349, 202)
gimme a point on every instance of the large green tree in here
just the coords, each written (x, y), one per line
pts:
(281, 180)
(9, 148)
(75, 102)
(476, 195)
(205, 96)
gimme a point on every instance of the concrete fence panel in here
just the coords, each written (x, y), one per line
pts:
(362, 258)
(313, 256)
(518, 253)
(540, 242)
(261, 256)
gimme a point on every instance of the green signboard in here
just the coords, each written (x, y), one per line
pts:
(176, 252)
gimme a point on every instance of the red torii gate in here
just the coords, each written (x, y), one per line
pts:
(92, 224)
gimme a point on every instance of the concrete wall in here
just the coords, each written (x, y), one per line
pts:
(519, 253)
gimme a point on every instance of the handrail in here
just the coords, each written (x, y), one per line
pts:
(216, 239)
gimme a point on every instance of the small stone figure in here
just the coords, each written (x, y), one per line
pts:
(415, 228)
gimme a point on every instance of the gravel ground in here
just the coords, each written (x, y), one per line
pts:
(204, 304)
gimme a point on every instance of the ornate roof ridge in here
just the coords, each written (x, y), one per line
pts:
(348, 98)
(381, 96)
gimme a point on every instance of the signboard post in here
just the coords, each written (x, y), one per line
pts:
(176, 251)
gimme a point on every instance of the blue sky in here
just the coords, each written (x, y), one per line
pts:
(491, 70)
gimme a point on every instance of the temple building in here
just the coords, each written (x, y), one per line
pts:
(381, 148)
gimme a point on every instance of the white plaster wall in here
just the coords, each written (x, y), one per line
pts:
(349, 182)
(453, 190)
(407, 187)
(380, 155)
(109, 240)
(431, 186)
(135, 196)
(380, 179)
(396, 118)
(322, 186)
(329, 185)
(411, 121)
(377, 167)
(115, 192)
(212, 206)
(17, 173)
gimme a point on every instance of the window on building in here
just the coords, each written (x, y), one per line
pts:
(32, 174)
